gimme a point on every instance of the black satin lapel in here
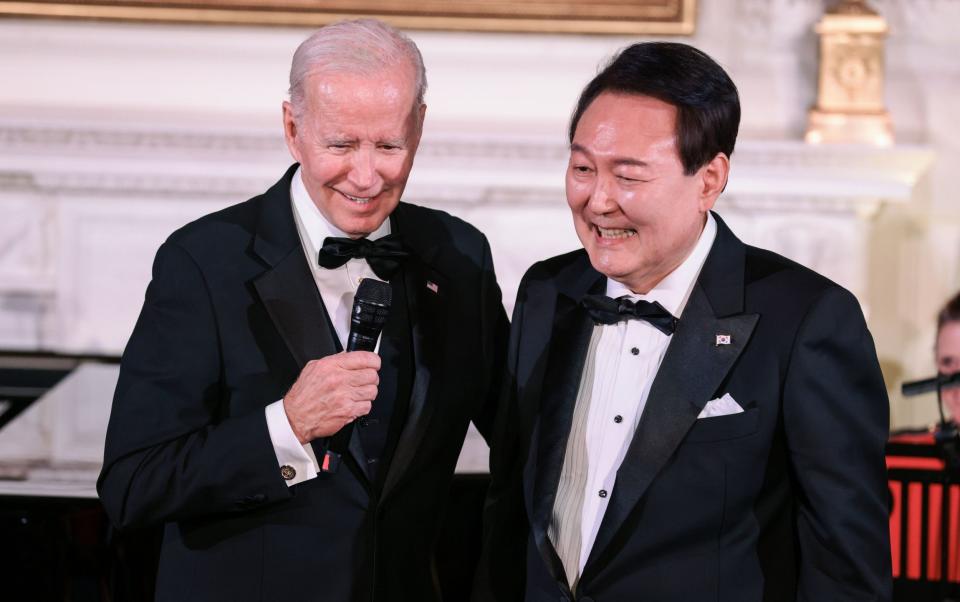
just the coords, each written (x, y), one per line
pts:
(425, 290)
(568, 349)
(691, 372)
(290, 296)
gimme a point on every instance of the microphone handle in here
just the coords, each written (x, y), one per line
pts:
(359, 340)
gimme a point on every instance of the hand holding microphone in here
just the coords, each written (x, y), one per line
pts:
(333, 391)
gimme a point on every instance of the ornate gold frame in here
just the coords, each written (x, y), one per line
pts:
(624, 17)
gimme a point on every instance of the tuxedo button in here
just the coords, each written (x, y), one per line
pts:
(618, 418)
(635, 351)
(603, 493)
(288, 472)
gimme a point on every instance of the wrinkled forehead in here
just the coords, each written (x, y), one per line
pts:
(627, 127)
(388, 94)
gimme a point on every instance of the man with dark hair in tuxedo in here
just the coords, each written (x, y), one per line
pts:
(282, 467)
(687, 417)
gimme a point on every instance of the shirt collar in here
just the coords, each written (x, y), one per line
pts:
(314, 222)
(674, 290)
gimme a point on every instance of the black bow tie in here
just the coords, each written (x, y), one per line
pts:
(383, 255)
(605, 310)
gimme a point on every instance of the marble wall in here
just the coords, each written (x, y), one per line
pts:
(114, 134)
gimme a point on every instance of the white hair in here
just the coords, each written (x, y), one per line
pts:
(365, 46)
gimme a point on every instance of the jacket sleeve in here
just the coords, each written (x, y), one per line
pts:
(836, 419)
(494, 330)
(501, 572)
(170, 453)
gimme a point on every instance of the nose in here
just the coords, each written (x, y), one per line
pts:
(602, 200)
(363, 170)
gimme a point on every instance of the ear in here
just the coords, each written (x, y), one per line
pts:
(290, 131)
(713, 179)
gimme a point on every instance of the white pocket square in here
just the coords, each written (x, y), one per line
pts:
(723, 406)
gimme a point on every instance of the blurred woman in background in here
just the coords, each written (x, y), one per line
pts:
(947, 352)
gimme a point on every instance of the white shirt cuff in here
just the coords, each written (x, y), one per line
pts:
(291, 454)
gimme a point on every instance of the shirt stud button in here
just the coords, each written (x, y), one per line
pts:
(618, 418)
(287, 472)
(603, 493)
(635, 351)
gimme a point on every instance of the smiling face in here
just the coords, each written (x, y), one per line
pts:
(948, 362)
(637, 214)
(355, 138)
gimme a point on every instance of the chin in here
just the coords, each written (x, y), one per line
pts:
(355, 230)
(607, 259)
(608, 268)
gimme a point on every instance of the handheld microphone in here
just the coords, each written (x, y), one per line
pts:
(926, 385)
(371, 305)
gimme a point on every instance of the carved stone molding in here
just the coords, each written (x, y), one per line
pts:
(84, 139)
(452, 166)
(133, 186)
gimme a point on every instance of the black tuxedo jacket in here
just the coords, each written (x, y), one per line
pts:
(785, 501)
(230, 318)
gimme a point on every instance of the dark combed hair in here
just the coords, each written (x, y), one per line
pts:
(950, 312)
(708, 106)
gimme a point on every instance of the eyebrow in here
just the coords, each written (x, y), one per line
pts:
(338, 140)
(399, 141)
(576, 148)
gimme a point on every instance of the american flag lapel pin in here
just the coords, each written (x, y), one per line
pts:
(722, 339)
(433, 287)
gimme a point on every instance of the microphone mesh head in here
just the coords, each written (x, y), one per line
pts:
(374, 291)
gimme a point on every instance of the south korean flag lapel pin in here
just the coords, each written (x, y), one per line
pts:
(722, 339)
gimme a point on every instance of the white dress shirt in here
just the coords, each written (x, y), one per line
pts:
(622, 361)
(337, 288)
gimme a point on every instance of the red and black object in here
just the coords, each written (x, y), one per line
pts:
(924, 517)
(330, 462)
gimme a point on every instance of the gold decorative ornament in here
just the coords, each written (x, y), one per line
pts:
(850, 104)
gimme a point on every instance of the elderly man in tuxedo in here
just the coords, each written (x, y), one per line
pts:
(282, 467)
(688, 417)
